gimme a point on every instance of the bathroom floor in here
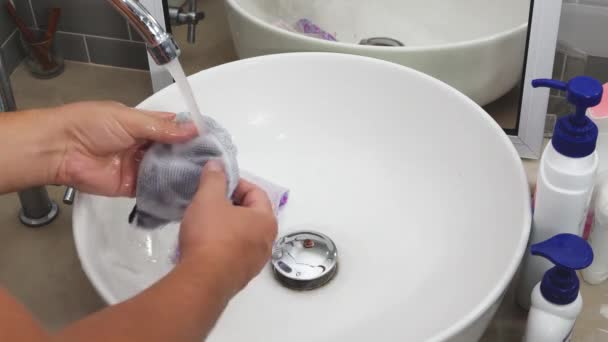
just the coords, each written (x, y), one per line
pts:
(40, 266)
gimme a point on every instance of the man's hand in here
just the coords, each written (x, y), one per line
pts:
(105, 142)
(237, 238)
(96, 147)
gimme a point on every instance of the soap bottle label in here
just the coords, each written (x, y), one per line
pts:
(586, 218)
(588, 224)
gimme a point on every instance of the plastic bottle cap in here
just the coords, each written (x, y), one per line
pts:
(575, 135)
(569, 253)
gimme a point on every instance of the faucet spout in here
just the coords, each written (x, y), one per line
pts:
(161, 45)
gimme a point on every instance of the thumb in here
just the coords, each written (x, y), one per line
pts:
(158, 126)
(212, 186)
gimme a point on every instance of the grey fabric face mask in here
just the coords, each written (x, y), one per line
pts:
(169, 175)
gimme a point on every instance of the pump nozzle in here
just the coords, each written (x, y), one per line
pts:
(548, 83)
(569, 253)
(581, 91)
(575, 135)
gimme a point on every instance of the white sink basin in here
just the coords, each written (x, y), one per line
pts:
(476, 46)
(422, 192)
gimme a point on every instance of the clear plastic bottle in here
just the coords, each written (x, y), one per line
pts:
(565, 177)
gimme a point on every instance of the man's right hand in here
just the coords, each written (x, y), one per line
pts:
(235, 241)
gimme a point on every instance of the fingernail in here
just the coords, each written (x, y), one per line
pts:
(139, 155)
(188, 129)
(214, 165)
(160, 115)
(183, 117)
(166, 116)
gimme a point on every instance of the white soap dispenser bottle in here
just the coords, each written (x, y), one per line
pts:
(565, 177)
(556, 301)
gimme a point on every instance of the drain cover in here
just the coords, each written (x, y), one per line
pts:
(381, 41)
(304, 260)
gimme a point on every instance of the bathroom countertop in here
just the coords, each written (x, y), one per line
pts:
(504, 110)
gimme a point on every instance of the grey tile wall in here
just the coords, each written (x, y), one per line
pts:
(598, 68)
(558, 69)
(595, 2)
(7, 25)
(90, 31)
(12, 54)
(589, 2)
(558, 105)
(9, 39)
(103, 51)
(24, 10)
(71, 46)
(570, 63)
(574, 67)
(90, 17)
(133, 34)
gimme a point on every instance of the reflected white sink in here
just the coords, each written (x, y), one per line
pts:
(430, 223)
(476, 46)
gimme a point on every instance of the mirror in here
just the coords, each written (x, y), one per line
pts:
(581, 48)
(479, 47)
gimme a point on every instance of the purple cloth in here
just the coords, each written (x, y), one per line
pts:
(307, 27)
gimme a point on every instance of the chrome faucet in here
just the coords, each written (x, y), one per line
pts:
(160, 44)
(37, 209)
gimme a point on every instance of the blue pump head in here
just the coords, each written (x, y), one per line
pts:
(575, 135)
(568, 252)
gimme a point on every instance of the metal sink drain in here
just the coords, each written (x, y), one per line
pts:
(381, 41)
(304, 260)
